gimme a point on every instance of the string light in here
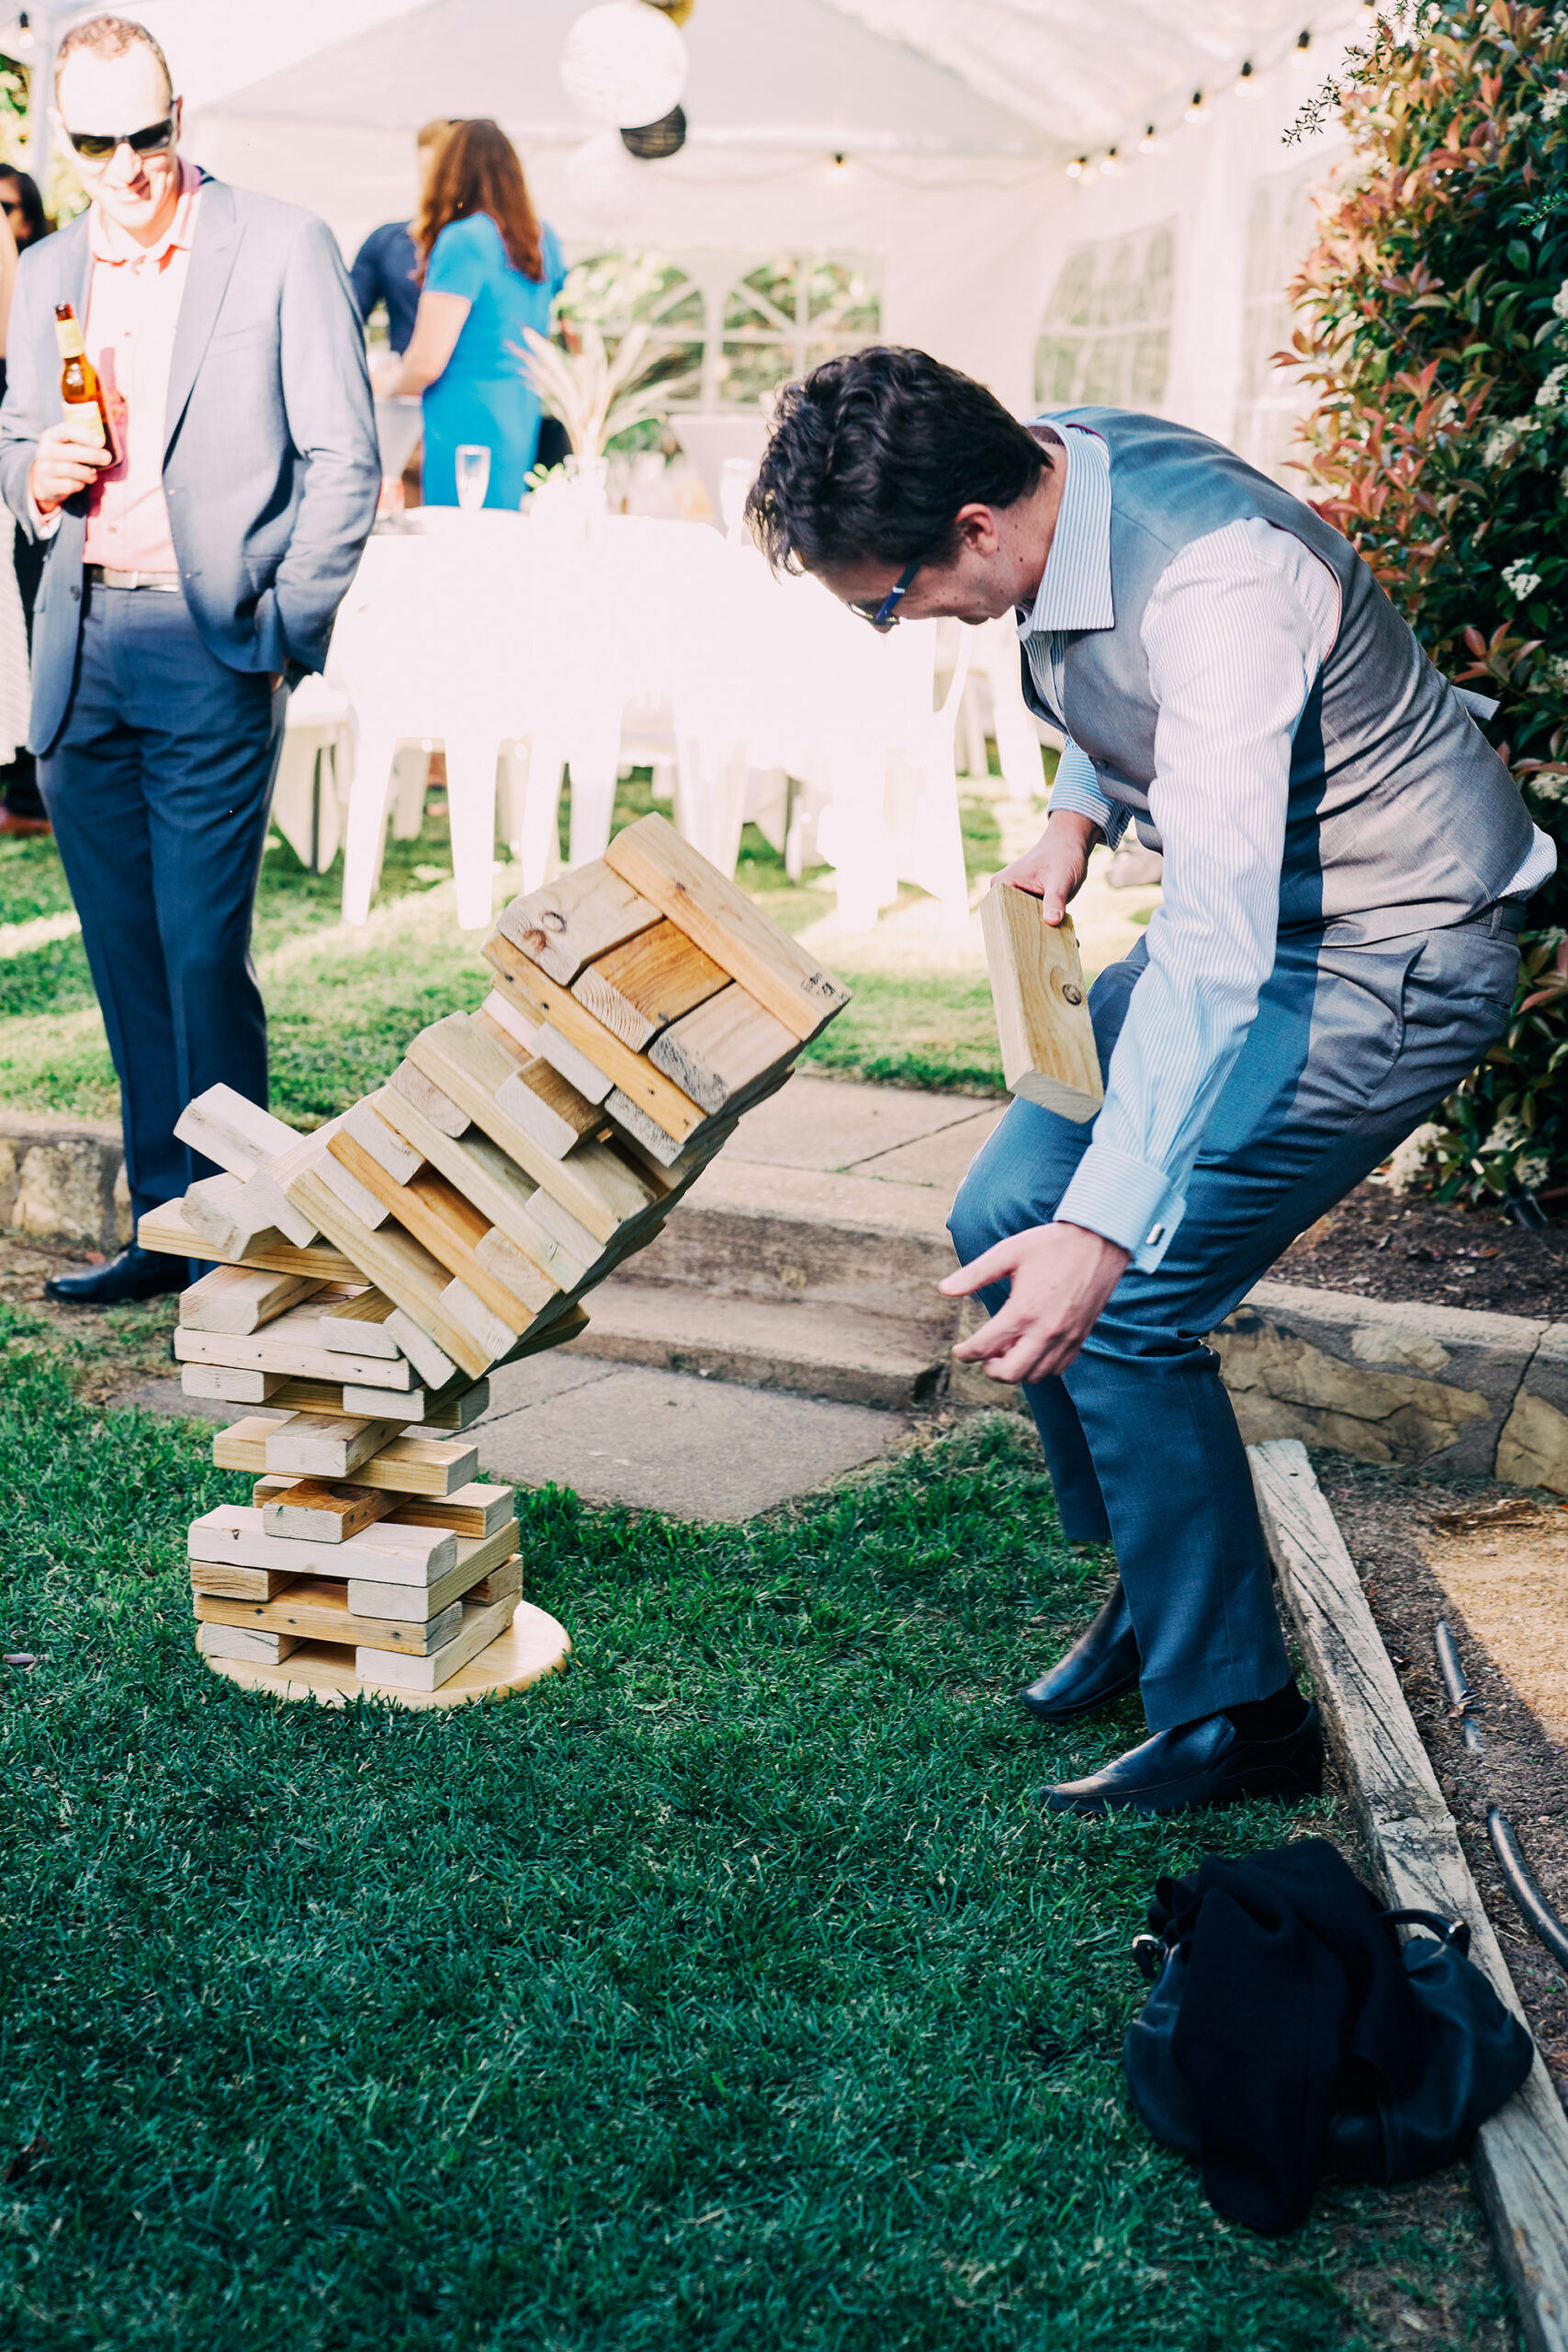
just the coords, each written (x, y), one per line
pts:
(1198, 112)
(1111, 165)
(1246, 81)
(1077, 167)
(1149, 140)
(838, 169)
(1302, 53)
(1200, 108)
(24, 31)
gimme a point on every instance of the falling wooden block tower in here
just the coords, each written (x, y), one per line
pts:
(371, 1274)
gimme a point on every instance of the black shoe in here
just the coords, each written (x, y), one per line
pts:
(135, 1273)
(1102, 1665)
(1205, 1763)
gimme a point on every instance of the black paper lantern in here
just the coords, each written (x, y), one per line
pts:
(651, 142)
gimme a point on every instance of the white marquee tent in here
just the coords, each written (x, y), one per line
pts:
(925, 144)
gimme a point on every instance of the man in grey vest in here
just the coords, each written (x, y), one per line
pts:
(1345, 866)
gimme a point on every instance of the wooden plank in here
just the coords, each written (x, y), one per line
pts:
(271, 1188)
(1049, 1055)
(466, 1581)
(483, 1174)
(500, 1255)
(425, 1094)
(371, 1131)
(475, 1510)
(479, 1628)
(590, 1082)
(633, 1073)
(323, 1445)
(237, 1584)
(235, 1134)
(313, 1610)
(405, 1466)
(1521, 2156)
(217, 1208)
(580, 915)
(237, 1299)
(718, 916)
(353, 1195)
(429, 1360)
(227, 1386)
(472, 1557)
(166, 1230)
(236, 1534)
(507, 1016)
(288, 1346)
(399, 1266)
(640, 987)
(448, 1411)
(233, 1641)
(549, 1106)
(451, 1227)
(318, 1511)
(598, 1188)
(358, 1326)
(724, 1048)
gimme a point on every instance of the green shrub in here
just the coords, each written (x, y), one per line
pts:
(1435, 334)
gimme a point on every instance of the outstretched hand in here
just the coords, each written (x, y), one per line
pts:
(1054, 870)
(1061, 1276)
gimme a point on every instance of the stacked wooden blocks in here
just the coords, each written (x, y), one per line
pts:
(373, 1272)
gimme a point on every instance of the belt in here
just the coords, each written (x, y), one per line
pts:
(167, 583)
(1505, 914)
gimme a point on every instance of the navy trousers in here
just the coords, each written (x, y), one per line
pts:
(1350, 1049)
(158, 788)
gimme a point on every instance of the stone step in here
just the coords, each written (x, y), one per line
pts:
(842, 1354)
(797, 1236)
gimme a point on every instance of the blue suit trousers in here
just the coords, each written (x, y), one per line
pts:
(1351, 1048)
(158, 787)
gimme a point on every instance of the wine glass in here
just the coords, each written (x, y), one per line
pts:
(473, 476)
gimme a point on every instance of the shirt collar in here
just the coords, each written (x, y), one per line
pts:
(110, 244)
(1074, 589)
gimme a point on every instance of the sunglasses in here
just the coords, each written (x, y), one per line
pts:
(98, 146)
(885, 615)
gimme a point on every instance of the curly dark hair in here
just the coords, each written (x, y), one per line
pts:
(873, 456)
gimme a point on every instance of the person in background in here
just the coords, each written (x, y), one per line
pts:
(386, 267)
(491, 269)
(189, 571)
(23, 221)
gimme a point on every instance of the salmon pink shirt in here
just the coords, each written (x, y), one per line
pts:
(134, 306)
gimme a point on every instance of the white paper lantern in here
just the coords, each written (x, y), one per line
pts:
(604, 187)
(624, 62)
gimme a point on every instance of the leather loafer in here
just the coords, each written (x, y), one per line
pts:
(1102, 1665)
(135, 1273)
(1200, 1764)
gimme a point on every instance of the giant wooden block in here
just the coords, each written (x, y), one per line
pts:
(639, 989)
(270, 1189)
(435, 1213)
(222, 1385)
(358, 1326)
(481, 1171)
(466, 1581)
(399, 1266)
(477, 1509)
(167, 1231)
(405, 1466)
(591, 1081)
(372, 1133)
(784, 980)
(342, 1181)
(727, 1045)
(235, 1134)
(427, 1096)
(237, 1299)
(219, 1208)
(479, 1627)
(288, 1345)
(321, 1511)
(549, 1106)
(1047, 1039)
(323, 1445)
(430, 1362)
(235, 1641)
(648, 1088)
(237, 1533)
(580, 915)
(312, 1611)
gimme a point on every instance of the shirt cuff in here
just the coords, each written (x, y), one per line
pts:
(1075, 787)
(44, 526)
(1126, 1201)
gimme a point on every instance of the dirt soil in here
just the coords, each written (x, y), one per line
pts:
(1402, 1529)
(1378, 1244)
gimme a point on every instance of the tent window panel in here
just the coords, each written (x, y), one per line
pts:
(1105, 339)
(790, 313)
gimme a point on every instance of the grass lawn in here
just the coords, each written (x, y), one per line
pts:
(342, 1004)
(731, 1991)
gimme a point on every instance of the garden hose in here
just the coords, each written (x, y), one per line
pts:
(1518, 1878)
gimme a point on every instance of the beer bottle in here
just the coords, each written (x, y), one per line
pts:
(79, 385)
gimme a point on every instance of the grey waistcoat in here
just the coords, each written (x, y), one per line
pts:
(1401, 817)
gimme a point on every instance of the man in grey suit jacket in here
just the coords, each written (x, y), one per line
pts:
(193, 570)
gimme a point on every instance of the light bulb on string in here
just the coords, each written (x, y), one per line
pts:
(24, 32)
(1198, 110)
(1302, 53)
(1246, 81)
(1111, 164)
(1077, 167)
(838, 169)
(1149, 140)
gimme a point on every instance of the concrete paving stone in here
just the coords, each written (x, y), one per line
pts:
(839, 1353)
(832, 1124)
(515, 1386)
(692, 1448)
(940, 1160)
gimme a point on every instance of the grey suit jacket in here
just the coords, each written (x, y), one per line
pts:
(270, 462)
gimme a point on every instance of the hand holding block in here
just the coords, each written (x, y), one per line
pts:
(1048, 1050)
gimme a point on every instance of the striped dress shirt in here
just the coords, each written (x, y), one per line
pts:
(1234, 634)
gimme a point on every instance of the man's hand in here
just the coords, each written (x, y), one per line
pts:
(1054, 870)
(1061, 1277)
(68, 460)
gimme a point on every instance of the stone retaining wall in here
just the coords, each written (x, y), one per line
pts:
(64, 1180)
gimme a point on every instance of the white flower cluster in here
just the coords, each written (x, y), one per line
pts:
(1553, 669)
(1552, 105)
(1518, 576)
(1547, 786)
(1554, 391)
(1531, 1172)
(1506, 1135)
(1503, 439)
(1559, 301)
(1409, 1162)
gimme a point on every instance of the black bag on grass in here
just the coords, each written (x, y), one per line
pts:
(1289, 2034)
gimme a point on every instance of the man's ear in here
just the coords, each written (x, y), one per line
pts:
(976, 528)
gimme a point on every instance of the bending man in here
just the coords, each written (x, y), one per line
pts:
(1346, 867)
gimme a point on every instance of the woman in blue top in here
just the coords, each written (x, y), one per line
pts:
(489, 271)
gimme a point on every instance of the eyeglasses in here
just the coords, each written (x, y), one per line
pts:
(98, 146)
(886, 615)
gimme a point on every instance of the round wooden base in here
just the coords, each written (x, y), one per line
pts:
(533, 1645)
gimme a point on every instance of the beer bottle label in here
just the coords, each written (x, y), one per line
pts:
(88, 418)
(68, 335)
